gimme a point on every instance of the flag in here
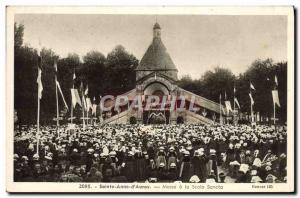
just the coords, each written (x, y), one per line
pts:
(94, 109)
(228, 106)
(275, 97)
(75, 97)
(55, 66)
(276, 80)
(237, 102)
(86, 91)
(251, 99)
(58, 85)
(39, 78)
(251, 86)
(84, 102)
(89, 104)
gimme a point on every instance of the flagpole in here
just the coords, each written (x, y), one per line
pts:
(38, 127)
(38, 97)
(251, 105)
(220, 111)
(72, 99)
(83, 122)
(57, 108)
(274, 107)
(234, 99)
(100, 120)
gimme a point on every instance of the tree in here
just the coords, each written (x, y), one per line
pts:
(65, 70)
(120, 66)
(25, 72)
(94, 72)
(217, 82)
(186, 82)
(258, 74)
(19, 33)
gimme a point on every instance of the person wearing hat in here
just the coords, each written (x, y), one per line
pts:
(161, 157)
(75, 157)
(221, 145)
(108, 170)
(242, 174)
(199, 162)
(281, 164)
(172, 172)
(129, 167)
(248, 157)
(92, 175)
(194, 179)
(212, 163)
(186, 167)
(90, 158)
(141, 166)
(161, 172)
(172, 157)
(114, 159)
(230, 155)
(222, 177)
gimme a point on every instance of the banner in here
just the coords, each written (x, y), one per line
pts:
(58, 85)
(251, 99)
(75, 97)
(89, 104)
(275, 98)
(237, 102)
(39, 78)
(94, 109)
(228, 106)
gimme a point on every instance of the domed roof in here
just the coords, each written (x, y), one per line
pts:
(156, 26)
(156, 58)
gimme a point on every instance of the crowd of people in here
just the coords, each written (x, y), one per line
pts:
(151, 153)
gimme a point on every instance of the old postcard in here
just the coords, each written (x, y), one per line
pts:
(150, 99)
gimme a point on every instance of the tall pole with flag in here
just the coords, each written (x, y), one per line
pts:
(83, 105)
(87, 103)
(40, 90)
(252, 101)
(234, 99)
(234, 112)
(220, 108)
(74, 77)
(57, 108)
(275, 99)
(100, 109)
(225, 98)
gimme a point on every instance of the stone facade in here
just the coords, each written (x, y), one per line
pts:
(157, 74)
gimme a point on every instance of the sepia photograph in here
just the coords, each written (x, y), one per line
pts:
(152, 99)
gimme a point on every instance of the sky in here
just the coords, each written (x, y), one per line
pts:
(196, 43)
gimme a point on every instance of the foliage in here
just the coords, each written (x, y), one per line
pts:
(115, 74)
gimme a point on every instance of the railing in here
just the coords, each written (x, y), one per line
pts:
(201, 101)
(199, 117)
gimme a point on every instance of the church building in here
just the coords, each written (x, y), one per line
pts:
(156, 75)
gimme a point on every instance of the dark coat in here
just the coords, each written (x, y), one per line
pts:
(186, 169)
(199, 167)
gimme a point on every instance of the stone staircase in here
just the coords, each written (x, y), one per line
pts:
(120, 118)
(201, 101)
(196, 118)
